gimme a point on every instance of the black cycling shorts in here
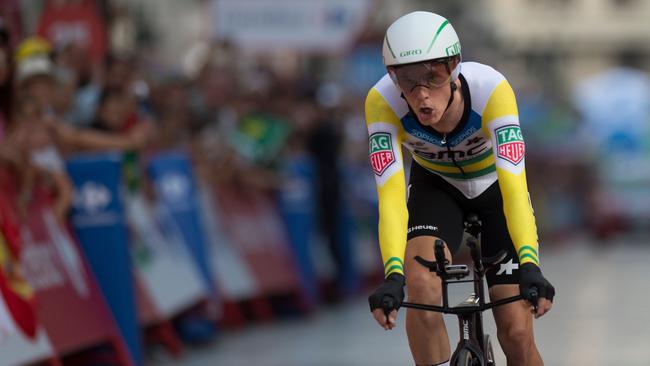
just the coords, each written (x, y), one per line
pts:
(436, 208)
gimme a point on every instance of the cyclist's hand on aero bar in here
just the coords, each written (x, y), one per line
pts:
(536, 289)
(385, 301)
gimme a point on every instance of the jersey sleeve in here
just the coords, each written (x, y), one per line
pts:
(501, 120)
(385, 136)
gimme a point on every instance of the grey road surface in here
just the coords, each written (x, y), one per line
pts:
(601, 317)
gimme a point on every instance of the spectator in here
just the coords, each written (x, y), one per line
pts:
(29, 137)
(117, 71)
(115, 127)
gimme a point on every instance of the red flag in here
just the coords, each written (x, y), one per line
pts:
(16, 292)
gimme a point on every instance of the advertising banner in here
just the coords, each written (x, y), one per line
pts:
(251, 220)
(296, 201)
(70, 311)
(162, 261)
(17, 349)
(315, 25)
(232, 273)
(70, 306)
(99, 222)
(175, 187)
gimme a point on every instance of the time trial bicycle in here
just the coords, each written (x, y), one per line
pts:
(474, 347)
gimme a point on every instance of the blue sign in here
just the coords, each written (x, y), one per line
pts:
(175, 188)
(98, 220)
(296, 200)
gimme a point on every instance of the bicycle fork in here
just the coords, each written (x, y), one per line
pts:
(470, 330)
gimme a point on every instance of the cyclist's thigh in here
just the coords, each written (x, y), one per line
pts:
(495, 237)
(433, 212)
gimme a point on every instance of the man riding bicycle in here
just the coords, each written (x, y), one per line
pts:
(459, 121)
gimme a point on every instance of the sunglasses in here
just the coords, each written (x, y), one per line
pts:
(429, 74)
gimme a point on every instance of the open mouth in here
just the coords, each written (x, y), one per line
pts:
(426, 111)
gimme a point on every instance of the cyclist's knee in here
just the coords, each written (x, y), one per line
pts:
(515, 336)
(424, 287)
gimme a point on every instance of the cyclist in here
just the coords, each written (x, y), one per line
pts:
(459, 122)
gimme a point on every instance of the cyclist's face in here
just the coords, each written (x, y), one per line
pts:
(426, 88)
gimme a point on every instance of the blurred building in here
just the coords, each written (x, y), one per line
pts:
(559, 42)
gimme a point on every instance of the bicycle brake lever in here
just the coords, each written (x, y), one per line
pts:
(533, 298)
(387, 305)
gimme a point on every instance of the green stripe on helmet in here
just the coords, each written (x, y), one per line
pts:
(442, 26)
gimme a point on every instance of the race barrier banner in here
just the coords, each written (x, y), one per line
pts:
(361, 201)
(175, 187)
(252, 222)
(70, 306)
(348, 278)
(22, 339)
(71, 313)
(163, 264)
(16, 349)
(99, 221)
(232, 273)
(297, 204)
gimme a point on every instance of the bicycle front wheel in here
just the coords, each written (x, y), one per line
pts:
(489, 351)
(466, 358)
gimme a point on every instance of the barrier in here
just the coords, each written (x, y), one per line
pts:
(98, 219)
(162, 261)
(232, 274)
(176, 191)
(296, 202)
(16, 349)
(71, 312)
(362, 203)
(253, 224)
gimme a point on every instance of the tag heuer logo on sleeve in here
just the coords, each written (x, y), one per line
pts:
(381, 152)
(510, 143)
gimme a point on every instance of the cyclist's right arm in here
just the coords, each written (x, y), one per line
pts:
(385, 136)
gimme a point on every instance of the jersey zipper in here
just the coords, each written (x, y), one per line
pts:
(453, 158)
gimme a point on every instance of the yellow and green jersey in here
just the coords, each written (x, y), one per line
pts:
(487, 146)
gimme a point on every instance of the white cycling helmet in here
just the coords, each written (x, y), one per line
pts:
(420, 36)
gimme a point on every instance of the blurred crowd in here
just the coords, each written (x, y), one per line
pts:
(67, 89)
(86, 78)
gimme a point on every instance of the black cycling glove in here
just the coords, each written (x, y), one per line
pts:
(530, 278)
(389, 295)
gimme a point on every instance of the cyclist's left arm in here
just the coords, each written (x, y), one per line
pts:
(501, 119)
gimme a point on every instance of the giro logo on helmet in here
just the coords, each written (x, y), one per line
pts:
(453, 50)
(409, 53)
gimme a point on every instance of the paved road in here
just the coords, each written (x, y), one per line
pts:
(601, 318)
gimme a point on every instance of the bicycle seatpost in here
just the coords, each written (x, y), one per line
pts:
(473, 225)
